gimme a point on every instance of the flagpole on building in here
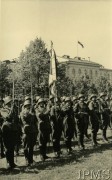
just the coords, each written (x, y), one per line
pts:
(79, 43)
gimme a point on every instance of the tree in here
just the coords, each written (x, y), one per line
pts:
(64, 84)
(4, 84)
(31, 69)
(103, 85)
(30, 73)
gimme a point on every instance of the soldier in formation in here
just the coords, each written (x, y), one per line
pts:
(51, 119)
(44, 127)
(56, 120)
(68, 123)
(1, 123)
(9, 131)
(105, 115)
(30, 130)
(81, 112)
(110, 105)
(94, 118)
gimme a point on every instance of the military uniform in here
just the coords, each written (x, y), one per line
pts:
(88, 121)
(8, 131)
(105, 112)
(81, 113)
(57, 126)
(111, 112)
(75, 101)
(108, 100)
(62, 101)
(94, 118)
(68, 123)
(18, 126)
(30, 131)
(44, 127)
(50, 103)
(1, 123)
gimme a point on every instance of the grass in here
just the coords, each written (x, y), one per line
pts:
(68, 167)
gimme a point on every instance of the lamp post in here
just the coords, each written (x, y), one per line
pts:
(31, 85)
(13, 80)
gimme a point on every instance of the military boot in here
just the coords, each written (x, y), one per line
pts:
(94, 139)
(80, 142)
(104, 136)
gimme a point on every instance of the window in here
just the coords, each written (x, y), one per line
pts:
(91, 73)
(79, 71)
(85, 72)
(108, 76)
(73, 72)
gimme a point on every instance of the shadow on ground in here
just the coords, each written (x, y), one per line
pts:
(76, 157)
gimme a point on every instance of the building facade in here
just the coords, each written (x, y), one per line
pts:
(77, 68)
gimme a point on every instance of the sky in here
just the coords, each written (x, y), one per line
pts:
(64, 22)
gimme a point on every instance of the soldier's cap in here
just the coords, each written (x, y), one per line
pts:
(15, 99)
(111, 97)
(27, 98)
(27, 102)
(67, 99)
(57, 99)
(74, 98)
(107, 98)
(51, 97)
(41, 100)
(92, 95)
(37, 98)
(80, 96)
(63, 98)
(102, 94)
(46, 99)
(7, 99)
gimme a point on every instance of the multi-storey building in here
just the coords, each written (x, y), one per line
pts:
(78, 67)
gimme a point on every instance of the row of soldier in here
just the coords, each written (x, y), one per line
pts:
(47, 120)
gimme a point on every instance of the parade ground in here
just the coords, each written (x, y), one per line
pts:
(91, 163)
(56, 90)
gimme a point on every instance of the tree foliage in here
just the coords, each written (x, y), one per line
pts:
(31, 70)
(4, 83)
(64, 84)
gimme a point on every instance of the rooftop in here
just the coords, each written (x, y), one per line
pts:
(77, 60)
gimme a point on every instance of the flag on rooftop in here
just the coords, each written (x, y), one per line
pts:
(81, 44)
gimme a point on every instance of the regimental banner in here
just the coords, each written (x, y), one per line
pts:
(53, 72)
